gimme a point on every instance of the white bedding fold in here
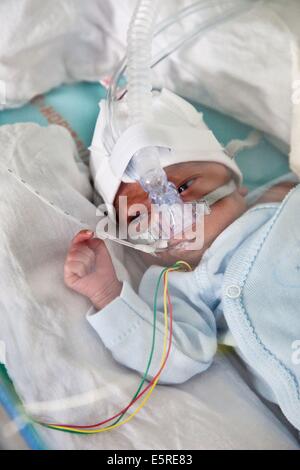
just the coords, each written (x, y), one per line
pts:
(243, 67)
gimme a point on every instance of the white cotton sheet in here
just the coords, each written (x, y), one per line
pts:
(60, 368)
(243, 68)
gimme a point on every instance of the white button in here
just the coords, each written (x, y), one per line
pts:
(233, 292)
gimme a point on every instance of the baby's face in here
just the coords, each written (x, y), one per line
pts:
(193, 181)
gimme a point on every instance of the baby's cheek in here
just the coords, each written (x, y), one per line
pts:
(223, 214)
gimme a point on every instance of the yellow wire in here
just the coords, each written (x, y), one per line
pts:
(149, 393)
(185, 264)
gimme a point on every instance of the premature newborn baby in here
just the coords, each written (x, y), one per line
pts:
(123, 318)
(193, 180)
(89, 271)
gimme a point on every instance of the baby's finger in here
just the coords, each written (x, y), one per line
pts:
(82, 236)
(73, 271)
(95, 243)
(82, 253)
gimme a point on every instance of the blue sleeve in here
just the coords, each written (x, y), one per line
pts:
(126, 325)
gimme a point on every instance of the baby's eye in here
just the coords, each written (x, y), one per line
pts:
(183, 187)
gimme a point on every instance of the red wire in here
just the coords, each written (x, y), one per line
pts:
(145, 389)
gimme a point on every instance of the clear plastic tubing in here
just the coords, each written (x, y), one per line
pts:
(139, 46)
(234, 8)
(145, 164)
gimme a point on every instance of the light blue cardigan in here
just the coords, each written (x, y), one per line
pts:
(245, 293)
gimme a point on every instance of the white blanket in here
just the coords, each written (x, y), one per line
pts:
(245, 67)
(59, 366)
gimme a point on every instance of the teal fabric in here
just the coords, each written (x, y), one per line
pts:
(78, 106)
(260, 164)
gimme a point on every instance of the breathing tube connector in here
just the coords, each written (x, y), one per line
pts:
(145, 164)
(139, 52)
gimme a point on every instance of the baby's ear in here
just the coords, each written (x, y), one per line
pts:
(243, 191)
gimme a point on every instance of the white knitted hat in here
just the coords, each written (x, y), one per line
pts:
(177, 129)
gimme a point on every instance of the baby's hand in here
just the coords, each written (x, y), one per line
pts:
(89, 270)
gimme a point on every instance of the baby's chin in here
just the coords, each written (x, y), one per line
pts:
(168, 258)
(191, 252)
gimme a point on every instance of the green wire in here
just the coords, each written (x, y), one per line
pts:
(153, 344)
(175, 266)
